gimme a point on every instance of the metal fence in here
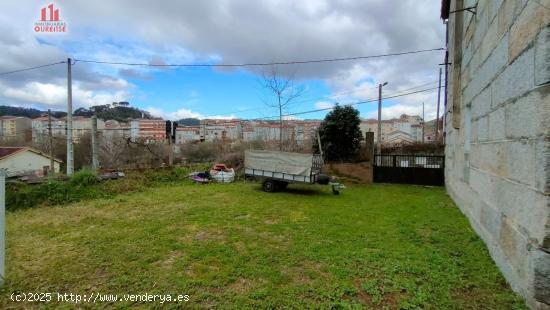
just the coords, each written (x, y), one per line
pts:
(418, 161)
(410, 169)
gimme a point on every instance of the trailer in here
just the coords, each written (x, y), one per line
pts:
(278, 169)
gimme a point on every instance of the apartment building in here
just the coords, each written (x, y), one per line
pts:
(405, 129)
(185, 134)
(15, 128)
(219, 129)
(116, 130)
(81, 127)
(148, 129)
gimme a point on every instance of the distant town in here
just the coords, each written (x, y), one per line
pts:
(402, 130)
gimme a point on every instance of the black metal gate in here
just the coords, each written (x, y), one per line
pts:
(409, 169)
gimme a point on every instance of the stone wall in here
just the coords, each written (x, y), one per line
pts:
(497, 125)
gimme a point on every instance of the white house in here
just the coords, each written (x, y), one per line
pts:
(20, 161)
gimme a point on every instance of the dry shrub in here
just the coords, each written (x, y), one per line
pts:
(414, 149)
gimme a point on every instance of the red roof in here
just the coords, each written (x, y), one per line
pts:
(6, 151)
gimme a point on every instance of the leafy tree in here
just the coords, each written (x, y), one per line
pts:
(189, 122)
(340, 134)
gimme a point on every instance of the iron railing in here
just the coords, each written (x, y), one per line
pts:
(410, 161)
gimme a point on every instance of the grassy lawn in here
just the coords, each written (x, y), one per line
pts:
(233, 246)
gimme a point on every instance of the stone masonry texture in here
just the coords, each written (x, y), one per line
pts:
(499, 175)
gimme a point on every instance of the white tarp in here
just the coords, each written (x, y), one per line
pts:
(288, 163)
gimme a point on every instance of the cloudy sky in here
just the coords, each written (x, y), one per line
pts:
(223, 32)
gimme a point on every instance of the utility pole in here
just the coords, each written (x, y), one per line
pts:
(319, 142)
(70, 167)
(95, 161)
(379, 142)
(170, 149)
(50, 142)
(2, 225)
(280, 125)
(436, 133)
(423, 122)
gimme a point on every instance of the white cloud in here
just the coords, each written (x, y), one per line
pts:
(55, 95)
(183, 113)
(324, 105)
(224, 31)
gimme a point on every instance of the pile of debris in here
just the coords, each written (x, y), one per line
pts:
(219, 173)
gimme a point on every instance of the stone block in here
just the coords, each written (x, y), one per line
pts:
(481, 104)
(542, 57)
(541, 281)
(542, 162)
(469, 34)
(521, 117)
(526, 27)
(489, 41)
(485, 73)
(527, 208)
(490, 218)
(493, 9)
(497, 124)
(482, 131)
(489, 157)
(515, 80)
(510, 241)
(521, 161)
(481, 27)
(508, 11)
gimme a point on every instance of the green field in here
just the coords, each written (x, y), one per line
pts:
(234, 246)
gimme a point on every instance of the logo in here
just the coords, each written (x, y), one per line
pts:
(49, 21)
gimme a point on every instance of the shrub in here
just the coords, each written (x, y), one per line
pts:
(84, 178)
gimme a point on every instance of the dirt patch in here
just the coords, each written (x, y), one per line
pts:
(241, 286)
(169, 260)
(362, 172)
(210, 235)
(389, 300)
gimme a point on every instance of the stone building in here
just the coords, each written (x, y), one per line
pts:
(497, 138)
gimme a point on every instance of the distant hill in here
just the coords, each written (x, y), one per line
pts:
(189, 122)
(119, 111)
(27, 112)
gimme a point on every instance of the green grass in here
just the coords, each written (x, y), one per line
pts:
(234, 246)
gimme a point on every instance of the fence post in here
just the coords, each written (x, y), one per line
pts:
(2, 224)
(394, 160)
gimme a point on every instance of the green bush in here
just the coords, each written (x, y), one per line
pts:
(84, 184)
(84, 178)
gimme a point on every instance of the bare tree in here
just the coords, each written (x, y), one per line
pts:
(283, 92)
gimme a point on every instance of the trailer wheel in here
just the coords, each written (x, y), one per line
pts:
(268, 186)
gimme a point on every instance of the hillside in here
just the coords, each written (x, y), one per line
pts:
(27, 112)
(119, 111)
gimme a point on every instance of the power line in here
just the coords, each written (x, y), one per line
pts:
(361, 102)
(32, 68)
(295, 62)
(339, 94)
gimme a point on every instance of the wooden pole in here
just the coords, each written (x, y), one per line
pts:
(50, 138)
(436, 133)
(95, 161)
(2, 225)
(70, 157)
